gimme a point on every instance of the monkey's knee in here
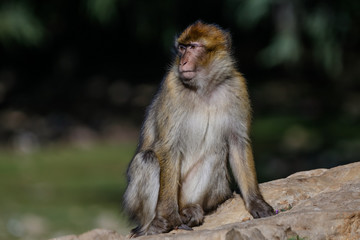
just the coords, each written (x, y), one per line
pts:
(145, 163)
(192, 215)
(145, 158)
(149, 157)
(142, 192)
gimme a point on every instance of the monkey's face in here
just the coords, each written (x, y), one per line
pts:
(199, 47)
(190, 56)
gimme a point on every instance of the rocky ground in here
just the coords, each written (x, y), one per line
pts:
(316, 204)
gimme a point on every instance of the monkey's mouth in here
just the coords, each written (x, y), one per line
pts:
(187, 75)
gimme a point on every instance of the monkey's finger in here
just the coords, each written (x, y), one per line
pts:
(184, 227)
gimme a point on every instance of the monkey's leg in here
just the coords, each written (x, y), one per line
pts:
(167, 210)
(242, 165)
(142, 192)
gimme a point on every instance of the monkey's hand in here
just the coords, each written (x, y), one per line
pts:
(192, 215)
(259, 208)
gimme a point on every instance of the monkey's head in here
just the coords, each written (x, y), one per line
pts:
(198, 47)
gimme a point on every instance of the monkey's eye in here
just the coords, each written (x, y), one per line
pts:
(181, 48)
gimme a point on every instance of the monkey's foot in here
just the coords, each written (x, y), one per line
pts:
(136, 232)
(184, 227)
(159, 225)
(259, 208)
(192, 215)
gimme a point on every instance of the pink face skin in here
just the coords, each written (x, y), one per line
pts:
(189, 56)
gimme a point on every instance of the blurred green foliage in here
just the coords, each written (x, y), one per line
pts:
(326, 25)
(19, 23)
(298, 140)
(296, 26)
(62, 190)
(102, 10)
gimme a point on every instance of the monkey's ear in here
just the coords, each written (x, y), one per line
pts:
(176, 45)
(228, 40)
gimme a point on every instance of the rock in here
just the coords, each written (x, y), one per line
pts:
(96, 234)
(316, 204)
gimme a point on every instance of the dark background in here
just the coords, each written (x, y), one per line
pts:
(80, 69)
(76, 77)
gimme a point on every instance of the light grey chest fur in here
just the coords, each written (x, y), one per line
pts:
(202, 133)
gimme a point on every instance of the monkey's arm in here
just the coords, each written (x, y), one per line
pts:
(243, 168)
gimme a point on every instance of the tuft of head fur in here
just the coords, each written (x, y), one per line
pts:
(210, 35)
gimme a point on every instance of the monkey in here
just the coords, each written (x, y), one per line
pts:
(194, 139)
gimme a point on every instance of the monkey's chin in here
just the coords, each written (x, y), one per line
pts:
(187, 76)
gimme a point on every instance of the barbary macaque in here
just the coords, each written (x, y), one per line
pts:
(195, 132)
